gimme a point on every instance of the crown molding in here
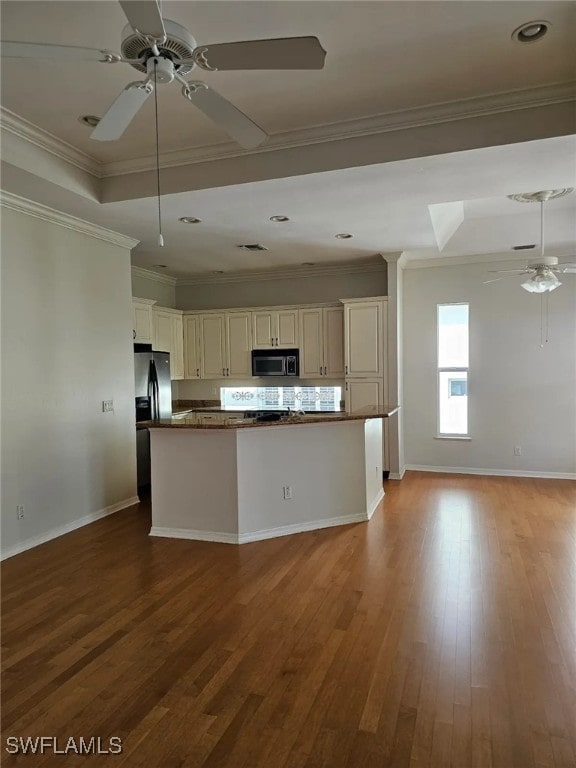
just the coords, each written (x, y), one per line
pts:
(318, 270)
(39, 211)
(13, 123)
(150, 275)
(443, 112)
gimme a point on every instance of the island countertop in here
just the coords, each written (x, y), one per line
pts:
(224, 420)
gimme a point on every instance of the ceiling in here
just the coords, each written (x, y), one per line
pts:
(382, 57)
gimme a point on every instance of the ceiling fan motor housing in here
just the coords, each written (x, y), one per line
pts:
(179, 44)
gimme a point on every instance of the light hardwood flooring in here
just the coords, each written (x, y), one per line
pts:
(442, 633)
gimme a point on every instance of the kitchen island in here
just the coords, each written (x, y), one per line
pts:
(234, 479)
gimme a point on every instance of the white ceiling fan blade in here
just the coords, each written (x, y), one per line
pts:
(496, 279)
(510, 271)
(221, 111)
(63, 52)
(122, 111)
(144, 16)
(280, 53)
(566, 269)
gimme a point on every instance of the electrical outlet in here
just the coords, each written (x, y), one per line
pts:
(20, 511)
(517, 450)
(107, 406)
(287, 492)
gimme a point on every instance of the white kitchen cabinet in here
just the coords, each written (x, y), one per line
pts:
(191, 346)
(218, 345)
(142, 320)
(238, 344)
(167, 336)
(212, 346)
(365, 335)
(363, 393)
(322, 342)
(275, 328)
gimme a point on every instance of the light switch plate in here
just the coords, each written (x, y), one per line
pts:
(107, 406)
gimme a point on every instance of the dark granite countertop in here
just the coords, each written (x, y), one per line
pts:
(230, 420)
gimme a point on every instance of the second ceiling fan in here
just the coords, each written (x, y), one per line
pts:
(166, 51)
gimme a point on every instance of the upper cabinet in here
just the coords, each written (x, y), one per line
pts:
(142, 320)
(167, 336)
(275, 328)
(218, 345)
(191, 346)
(238, 344)
(364, 338)
(322, 342)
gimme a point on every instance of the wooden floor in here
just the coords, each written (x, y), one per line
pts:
(442, 633)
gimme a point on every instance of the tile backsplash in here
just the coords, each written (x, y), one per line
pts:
(308, 398)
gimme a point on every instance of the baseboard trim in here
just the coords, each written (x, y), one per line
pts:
(397, 475)
(193, 535)
(374, 505)
(68, 528)
(495, 472)
(265, 533)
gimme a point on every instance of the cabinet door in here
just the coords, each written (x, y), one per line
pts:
(238, 344)
(286, 328)
(163, 332)
(364, 339)
(212, 346)
(191, 347)
(311, 358)
(333, 324)
(263, 329)
(142, 323)
(362, 393)
(177, 359)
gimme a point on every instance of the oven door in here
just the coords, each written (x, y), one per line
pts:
(268, 365)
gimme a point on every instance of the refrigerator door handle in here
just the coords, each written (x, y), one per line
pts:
(155, 401)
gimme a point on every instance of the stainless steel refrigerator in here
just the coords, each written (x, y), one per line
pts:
(153, 400)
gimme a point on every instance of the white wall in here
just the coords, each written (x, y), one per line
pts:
(294, 290)
(148, 288)
(520, 394)
(66, 346)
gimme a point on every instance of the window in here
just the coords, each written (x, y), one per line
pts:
(452, 370)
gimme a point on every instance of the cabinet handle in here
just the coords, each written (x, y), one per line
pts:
(320, 370)
(276, 340)
(227, 371)
(346, 369)
(346, 386)
(133, 334)
(198, 372)
(324, 370)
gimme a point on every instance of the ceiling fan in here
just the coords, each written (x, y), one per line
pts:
(543, 273)
(166, 51)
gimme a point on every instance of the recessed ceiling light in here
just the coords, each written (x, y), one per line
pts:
(308, 264)
(160, 266)
(217, 271)
(530, 31)
(253, 247)
(189, 220)
(90, 120)
(279, 218)
(343, 236)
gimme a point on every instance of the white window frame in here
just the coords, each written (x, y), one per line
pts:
(439, 370)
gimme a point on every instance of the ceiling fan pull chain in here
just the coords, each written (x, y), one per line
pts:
(547, 315)
(160, 238)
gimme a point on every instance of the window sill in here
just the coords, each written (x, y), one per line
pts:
(452, 437)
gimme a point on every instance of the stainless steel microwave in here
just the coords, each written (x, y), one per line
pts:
(275, 362)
